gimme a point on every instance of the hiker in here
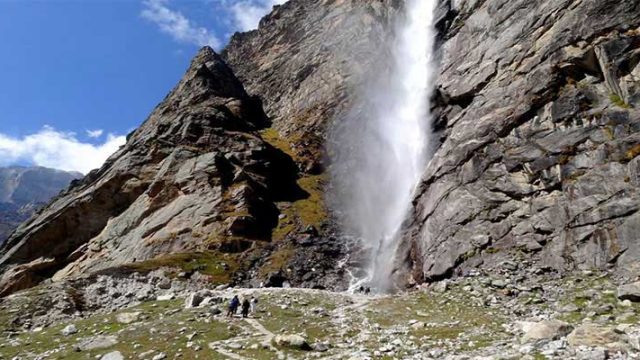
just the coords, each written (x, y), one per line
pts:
(245, 307)
(367, 290)
(254, 305)
(233, 306)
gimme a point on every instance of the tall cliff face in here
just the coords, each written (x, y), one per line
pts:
(539, 159)
(23, 190)
(208, 172)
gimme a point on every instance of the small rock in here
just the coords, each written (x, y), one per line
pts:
(69, 330)
(320, 347)
(441, 286)
(166, 297)
(215, 311)
(97, 342)
(500, 284)
(592, 354)
(418, 325)
(128, 317)
(160, 356)
(604, 309)
(145, 354)
(164, 284)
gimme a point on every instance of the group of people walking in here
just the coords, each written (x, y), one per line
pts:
(247, 305)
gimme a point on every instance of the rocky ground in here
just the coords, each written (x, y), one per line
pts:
(509, 314)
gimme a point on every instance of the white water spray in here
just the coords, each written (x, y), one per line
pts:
(382, 148)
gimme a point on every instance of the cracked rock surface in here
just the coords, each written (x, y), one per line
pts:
(538, 119)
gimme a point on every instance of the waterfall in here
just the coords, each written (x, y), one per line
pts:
(382, 147)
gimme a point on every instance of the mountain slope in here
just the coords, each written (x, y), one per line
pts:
(195, 176)
(25, 189)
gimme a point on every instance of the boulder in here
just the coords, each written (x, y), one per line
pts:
(166, 297)
(96, 342)
(545, 330)
(115, 355)
(192, 301)
(69, 330)
(591, 335)
(128, 317)
(320, 347)
(24, 276)
(629, 292)
(297, 342)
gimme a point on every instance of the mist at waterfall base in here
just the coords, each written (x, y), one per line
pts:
(380, 149)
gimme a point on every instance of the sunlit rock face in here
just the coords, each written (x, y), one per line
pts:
(537, 104)
(194, 177)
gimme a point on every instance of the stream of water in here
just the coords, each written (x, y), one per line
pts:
(385, 148)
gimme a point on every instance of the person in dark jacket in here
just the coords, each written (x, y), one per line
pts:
(245, 307)
(233, 306)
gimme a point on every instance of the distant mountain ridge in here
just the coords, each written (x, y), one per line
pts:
(23, 190)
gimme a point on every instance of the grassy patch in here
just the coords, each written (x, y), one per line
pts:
(220, 267)
(159, 330)
(272, 136)
(278, 260)
(294, 319)
(312, 210)
(618, 101)
(633, 152)
(299, 214)
(450, 317)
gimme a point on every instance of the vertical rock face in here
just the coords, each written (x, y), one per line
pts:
(538, 111)
(305, 60)
(25, 189)
(194, 176)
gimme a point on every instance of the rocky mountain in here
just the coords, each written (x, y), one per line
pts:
(23, 190)
(210, 172)
(538, 157)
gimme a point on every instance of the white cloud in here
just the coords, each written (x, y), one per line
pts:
(94, 134)
(58, 150)
(177, 25)
(247, 13)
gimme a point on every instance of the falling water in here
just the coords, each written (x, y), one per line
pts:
(380, 150)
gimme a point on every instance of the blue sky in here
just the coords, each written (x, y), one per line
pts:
(78, 75)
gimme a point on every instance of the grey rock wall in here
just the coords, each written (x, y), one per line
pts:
(537, 103)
